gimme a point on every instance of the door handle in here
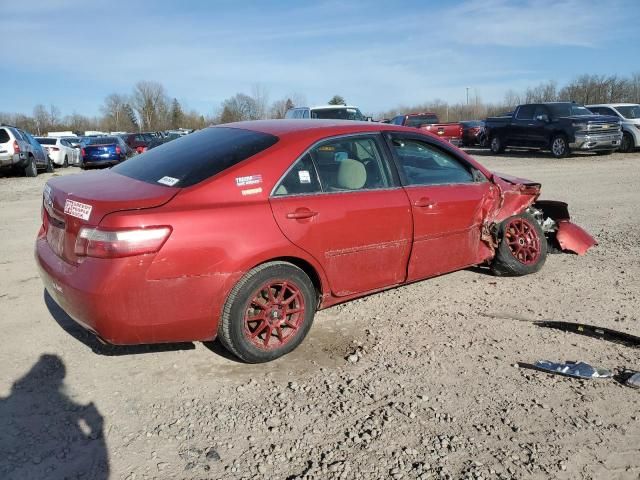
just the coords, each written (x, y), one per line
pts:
(301, 213)
(424, 202)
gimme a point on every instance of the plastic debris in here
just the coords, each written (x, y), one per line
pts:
(607, 334)
(573, 369)
(633, 381)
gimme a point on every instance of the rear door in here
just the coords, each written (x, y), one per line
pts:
(521, 127)
(340, 203)
(448, 201)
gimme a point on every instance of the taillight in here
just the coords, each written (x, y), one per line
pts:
(16, 147)
(55, 149)
(118, 151)
(83, 153)
(94, 242)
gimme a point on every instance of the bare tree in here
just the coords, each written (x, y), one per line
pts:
(260, 96)
(114, 111)
(279, 108)
(149, 101)
(41, 117)
(239, 107)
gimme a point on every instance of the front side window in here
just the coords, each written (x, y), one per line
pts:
(424, 164)
(344, 164)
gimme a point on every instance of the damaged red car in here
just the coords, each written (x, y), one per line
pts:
(243, 231)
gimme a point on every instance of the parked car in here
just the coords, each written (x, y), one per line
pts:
(141, 142)
(473, 133)
(451, 132)
(324, 112)
(104, 152)
(629, 115)
(60, 151)
(20, 151)
(243, 231)
(560, 127)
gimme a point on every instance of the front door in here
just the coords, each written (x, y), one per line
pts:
(339, 203)
(447, 197)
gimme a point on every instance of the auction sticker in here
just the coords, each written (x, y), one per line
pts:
(169, 181)
(304, 176)
(248, 180)
(252, 191)
(77, 209)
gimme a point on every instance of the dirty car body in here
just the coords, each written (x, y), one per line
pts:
(162, 247)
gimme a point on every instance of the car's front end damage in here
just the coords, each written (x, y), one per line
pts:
(518, 195)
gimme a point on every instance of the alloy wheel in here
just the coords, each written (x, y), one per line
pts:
(523, 241)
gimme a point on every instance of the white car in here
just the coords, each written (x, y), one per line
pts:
(60, 151)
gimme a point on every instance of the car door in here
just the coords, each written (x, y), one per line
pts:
(537, 130)
(448, 199)
(521, 127)
(341, 204)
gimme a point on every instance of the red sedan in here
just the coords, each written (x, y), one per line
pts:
(243, 231)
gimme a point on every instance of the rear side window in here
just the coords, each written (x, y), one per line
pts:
(47, 141)
(4, 136)
(196, 157)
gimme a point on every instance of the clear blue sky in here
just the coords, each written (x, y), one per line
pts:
(376, 54)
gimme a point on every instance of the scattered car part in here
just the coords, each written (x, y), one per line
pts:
(573, 369)
(607, 334)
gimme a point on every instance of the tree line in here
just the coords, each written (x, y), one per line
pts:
(149, 108)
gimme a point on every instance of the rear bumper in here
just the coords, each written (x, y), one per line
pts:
(100, 162)
(596, 142)
(13, 160)
(114, 299)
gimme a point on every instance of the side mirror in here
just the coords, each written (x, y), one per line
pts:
(542, 118)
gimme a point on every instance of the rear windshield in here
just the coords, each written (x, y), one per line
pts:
(99, 140)
(338, 114)
(4, 136)
(47, 141)
(195, 157)
(417, 120)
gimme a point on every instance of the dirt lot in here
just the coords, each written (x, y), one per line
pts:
(436, 392)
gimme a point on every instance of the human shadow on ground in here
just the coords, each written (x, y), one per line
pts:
(91, 341)
(45, 434)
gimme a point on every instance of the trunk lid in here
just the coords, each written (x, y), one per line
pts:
(73, 201)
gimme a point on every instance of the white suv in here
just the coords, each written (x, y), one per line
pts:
(19, 150)
(335, 112)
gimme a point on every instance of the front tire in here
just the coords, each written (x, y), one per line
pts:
(31, 170)
(627, 144)
(496, 145)
(268, 313)
(522, 249)
(559, 146)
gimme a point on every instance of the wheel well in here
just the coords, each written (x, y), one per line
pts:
(307, 268)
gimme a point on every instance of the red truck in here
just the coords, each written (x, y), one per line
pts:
(451, 132)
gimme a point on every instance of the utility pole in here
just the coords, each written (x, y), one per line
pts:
(468, 95)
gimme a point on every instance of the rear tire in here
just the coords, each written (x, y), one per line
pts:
(559, 146)
(65, 164)
(31, 170)
(522, 249)
(496, 145)
(268, 313)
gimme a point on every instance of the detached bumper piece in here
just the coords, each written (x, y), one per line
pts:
(557, 226)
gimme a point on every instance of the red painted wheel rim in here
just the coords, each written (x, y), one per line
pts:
(523, 241)
(274, 314)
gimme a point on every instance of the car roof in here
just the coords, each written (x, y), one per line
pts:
(285, 127)
(612, 105)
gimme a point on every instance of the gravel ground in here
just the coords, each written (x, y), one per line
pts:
(416, 382)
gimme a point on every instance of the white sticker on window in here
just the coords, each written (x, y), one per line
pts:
(169, 181)
(248, 180)
(77, 209)
(304, 176)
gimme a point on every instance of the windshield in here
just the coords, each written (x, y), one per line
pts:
(340, 113)
(196, 157)
(417, 120)
(568, 110)
(631, 112)
(47, 141)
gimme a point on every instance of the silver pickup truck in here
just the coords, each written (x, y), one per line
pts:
(629, 115)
